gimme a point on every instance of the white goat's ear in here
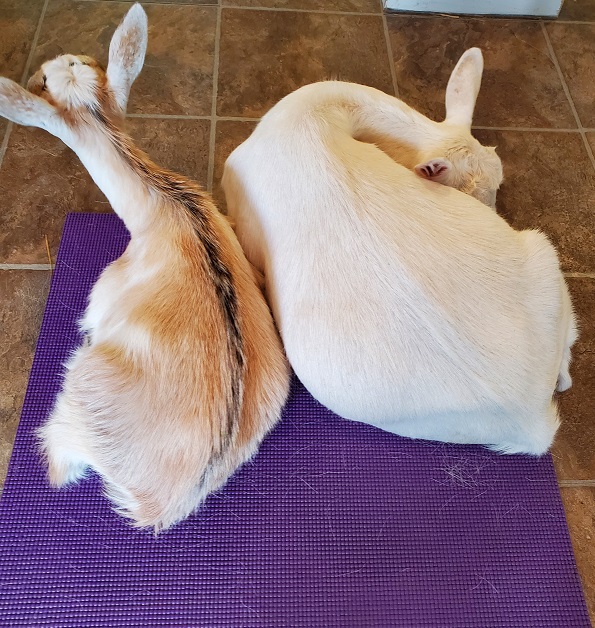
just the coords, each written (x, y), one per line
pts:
(434, 170)
(127, 53)
(463, 87)
(23, 107)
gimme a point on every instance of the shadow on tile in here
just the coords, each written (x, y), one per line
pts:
(520, 85)
(229, 136)
(22, 301)
(549, 183)
(265, 55)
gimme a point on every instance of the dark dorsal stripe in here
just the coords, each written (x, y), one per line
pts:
(188, 195)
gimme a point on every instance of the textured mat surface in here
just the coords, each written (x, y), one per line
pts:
(333, 524)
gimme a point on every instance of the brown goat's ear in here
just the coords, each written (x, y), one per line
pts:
(127, 54)
(463, 87)
(23, 107)
(434, 170)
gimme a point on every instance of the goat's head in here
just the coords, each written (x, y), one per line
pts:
(459, 160)
(72, 91)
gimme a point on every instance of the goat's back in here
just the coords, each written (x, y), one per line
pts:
(394, 296)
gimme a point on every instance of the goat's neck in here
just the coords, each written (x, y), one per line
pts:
(124, 186)
(397, 129)
(376, 118)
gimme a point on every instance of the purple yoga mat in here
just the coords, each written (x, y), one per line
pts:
(332, 524)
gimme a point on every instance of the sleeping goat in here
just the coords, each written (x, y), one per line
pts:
(182, 373)
(402, 303)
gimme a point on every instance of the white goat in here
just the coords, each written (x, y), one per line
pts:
(183, 373)
(402, 303)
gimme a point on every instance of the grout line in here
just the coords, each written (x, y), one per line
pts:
(4, 144)
(579, 275)
(286, 10)
(391, 59)
(236, 119)
(26, 267)
(524, 129)
(10, 126)
(211, 167)
(575, 483)
(567, 92)
(34, 43)
(151, 116)
(588, 147)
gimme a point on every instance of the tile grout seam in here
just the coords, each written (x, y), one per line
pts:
(579, 124)
(213, 130)
(9, 127)
(389, 50)
(166, 116)
(319, 11)
(34, 42)
(4, 144)
(236, 119)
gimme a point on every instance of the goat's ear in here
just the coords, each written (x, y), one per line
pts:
(127, 53)
(463, 87)
(434, 170)
(23, 107)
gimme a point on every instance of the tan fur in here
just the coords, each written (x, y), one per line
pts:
(156, 416)
(183, 372)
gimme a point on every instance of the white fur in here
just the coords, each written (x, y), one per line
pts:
(401, 303)
(71, 83)
(127, 53)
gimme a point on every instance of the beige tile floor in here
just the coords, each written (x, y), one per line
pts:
(212, 70)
